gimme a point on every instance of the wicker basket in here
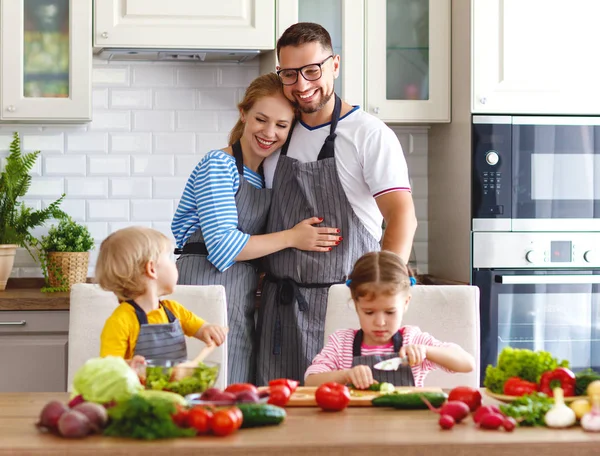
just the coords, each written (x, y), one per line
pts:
(72, 267)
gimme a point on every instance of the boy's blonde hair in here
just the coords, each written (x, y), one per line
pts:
(123, 258)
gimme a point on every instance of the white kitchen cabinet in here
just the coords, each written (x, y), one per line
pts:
(185, 24)
(46, 60)
(535, 56)
(395, 54)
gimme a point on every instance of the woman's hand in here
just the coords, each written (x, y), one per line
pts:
(360, 376)
(416, 354)
(212, 334)
(305, 236)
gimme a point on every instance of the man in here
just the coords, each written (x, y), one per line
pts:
(340, 164)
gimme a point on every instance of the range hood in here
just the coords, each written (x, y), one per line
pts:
(177, 55)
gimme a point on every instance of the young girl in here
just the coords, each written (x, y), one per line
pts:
(135, 264)
(380, 286)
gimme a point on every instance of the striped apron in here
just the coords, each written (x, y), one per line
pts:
(240, 280)
(403, 376)
(294, 297)
(162, 341)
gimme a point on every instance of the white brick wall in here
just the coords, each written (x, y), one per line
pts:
(152, 122)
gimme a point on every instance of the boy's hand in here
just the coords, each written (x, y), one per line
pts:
(138, 364)
(360, 376)
(416, 354)
(212, 334)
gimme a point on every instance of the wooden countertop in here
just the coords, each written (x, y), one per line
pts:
(356, 431)
(25, 294)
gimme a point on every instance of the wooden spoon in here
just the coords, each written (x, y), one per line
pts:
(182, 370)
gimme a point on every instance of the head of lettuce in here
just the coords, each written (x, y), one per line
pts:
(104, 380)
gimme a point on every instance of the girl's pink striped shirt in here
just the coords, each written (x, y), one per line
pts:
(337, 352)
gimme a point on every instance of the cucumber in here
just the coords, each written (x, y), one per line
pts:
(383, 387)
(261, 414)
(409, 401)
(168, 396)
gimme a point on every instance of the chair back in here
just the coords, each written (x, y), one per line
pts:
(90, 307)
(450, 313)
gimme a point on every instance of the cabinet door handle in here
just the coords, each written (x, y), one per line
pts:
(13, 323)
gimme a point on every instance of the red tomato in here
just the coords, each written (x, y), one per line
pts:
(239, 387)
(280, 395)
(224, 422)
(180, 417)
(291, 384)
(239, 415)
(470, 396)
(332, 396)
(200, 419)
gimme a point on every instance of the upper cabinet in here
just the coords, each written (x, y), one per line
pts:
(185, 24)
(407, 63)
(46, 60)
(395, 54)
(535, 56)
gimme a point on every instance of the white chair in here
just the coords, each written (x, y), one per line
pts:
(450, 313)
(90, 306)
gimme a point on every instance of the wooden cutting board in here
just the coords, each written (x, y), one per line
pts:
(304, 396)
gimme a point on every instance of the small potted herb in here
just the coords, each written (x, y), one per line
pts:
(64, 255)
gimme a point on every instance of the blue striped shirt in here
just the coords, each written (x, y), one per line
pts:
(208, 202)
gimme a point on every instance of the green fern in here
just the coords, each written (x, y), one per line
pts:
(16, 219)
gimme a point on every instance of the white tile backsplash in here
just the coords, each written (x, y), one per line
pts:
(152, 123)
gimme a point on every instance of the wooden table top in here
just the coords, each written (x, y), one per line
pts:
(355, 431)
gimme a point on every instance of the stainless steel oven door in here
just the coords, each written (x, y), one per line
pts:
(555, 173)
(552, 310)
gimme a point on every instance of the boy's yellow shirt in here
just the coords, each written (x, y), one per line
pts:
(122, 328)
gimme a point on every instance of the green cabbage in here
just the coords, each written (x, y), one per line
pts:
(105, 380)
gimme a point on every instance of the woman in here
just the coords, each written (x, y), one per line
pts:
(224, 208)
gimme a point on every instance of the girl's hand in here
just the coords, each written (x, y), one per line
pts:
(416, 353)
(360, 376)
(212, 334)
(305, 236)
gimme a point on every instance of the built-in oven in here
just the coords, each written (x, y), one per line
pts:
(536, 173)
(539, 291)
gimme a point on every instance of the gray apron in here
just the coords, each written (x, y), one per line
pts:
(163, 341)
(291, 316)
(240, 280)
(403, 376)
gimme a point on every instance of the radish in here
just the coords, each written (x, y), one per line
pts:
(456, 409)
(509, 424)
(484, 410)
(446, 422)
(491, 421)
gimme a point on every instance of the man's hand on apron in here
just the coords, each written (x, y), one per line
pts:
(416, 354)
(212, 334)
(305, 236)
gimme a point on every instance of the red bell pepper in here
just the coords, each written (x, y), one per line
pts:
(560, 376)
(291, 384)
(516, 386)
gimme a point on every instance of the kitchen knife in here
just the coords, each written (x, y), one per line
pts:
(391, 364)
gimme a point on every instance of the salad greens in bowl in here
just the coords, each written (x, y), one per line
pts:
(160, 375)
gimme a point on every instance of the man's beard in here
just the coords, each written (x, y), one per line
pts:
(311, 109)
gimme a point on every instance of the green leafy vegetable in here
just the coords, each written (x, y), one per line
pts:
(144, 418)
(525, 364)
(583, 379)
(203, 377)
(105, 380)
(529, 410)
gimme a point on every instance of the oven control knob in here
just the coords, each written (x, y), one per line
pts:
(492, 158)
(533, 257)
(589, 256)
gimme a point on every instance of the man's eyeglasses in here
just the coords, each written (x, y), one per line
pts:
(310, 72)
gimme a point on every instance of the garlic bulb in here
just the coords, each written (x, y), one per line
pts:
(560, 415)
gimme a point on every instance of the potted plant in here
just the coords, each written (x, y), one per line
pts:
(16, 219)
(64, 255)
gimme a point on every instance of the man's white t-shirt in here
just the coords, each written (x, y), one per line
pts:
(369, 160)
